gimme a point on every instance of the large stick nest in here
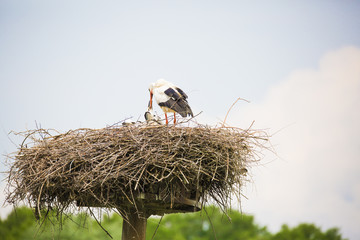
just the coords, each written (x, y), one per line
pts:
(109, 167)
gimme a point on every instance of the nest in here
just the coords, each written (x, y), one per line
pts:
(114, 166)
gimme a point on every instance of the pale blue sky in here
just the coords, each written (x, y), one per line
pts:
(71, 64)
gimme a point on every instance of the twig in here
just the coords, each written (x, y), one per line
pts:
(156, 228)
(100, 224)
(212, 226)
(231, 108)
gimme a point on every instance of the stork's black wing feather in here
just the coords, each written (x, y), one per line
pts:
(180, 106)
(182, 93)
(172, 93)
(177, 102)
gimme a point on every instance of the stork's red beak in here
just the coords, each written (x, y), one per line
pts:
(150, 102)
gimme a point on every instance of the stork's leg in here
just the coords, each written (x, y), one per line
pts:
(167, 122)
(174, 118)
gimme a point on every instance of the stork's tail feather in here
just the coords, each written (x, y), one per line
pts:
(185, 109)
(189, 112)
(180, 106)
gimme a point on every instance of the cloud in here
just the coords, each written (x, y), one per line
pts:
(316, 179)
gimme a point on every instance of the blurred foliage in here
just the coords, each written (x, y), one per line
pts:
(209, 224)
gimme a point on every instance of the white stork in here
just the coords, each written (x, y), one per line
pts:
(170, 98)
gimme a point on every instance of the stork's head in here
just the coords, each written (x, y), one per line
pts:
(151, 89)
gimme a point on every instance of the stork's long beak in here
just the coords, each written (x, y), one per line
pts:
(150, 102)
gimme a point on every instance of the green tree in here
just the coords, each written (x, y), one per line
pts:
(21, 224)
(19, 221)
(201, 226)
(306, 231)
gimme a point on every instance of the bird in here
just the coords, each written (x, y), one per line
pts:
(151, 119)
(170, 98)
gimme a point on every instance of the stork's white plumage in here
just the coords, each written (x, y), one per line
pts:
(170, 98)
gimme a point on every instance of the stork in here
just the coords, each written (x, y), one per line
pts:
(170, 98)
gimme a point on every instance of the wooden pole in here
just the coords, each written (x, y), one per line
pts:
(134, 225)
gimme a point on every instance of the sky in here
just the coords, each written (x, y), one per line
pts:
(72, 64)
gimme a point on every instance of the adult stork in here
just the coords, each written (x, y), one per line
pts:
(170, 98)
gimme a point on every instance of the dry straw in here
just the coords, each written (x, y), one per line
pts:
(111, 167)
